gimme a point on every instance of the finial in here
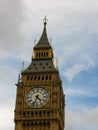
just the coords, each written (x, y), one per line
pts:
(22, 66)
(34, 42)
(57, 63)
(45, 20)
(50, 41)
(19, 78)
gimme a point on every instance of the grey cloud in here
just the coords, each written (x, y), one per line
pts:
(11, 17)
(17, 24)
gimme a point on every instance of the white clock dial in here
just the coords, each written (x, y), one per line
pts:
(37, 97)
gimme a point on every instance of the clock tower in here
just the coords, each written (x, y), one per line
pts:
(40, 97)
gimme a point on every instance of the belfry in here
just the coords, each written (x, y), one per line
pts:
(40, 98)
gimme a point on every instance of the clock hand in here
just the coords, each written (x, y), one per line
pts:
(35, 100)
(37, 97)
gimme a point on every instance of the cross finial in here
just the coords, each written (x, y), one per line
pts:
(45, 21)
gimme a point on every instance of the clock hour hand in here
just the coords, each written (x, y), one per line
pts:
(37, 97)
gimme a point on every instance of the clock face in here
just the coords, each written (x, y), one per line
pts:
(37, 97)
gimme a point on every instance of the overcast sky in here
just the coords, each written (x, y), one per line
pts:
(73, 28)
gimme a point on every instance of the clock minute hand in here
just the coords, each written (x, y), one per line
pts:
(36, 97)
(35, 100)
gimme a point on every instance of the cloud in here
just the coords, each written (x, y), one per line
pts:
(84, 119)
(20, 27)
(7, 116)
(10, 21)
(73, 27)
(13, 32)
(75, 69)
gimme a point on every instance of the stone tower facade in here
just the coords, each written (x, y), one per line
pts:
(40, 97)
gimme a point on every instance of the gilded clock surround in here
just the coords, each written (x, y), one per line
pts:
(40, 73)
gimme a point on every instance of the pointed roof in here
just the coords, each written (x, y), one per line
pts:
(43, 42)
(42, 65)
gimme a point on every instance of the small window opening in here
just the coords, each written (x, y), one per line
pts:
(38, 77)
(47, 77)
(42, 77)
(28, 77)
(35, 78)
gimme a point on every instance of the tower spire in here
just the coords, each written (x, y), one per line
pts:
(43, 41)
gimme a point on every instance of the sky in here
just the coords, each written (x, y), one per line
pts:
(73, 27)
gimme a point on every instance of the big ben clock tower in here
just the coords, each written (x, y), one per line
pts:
(40, 96)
